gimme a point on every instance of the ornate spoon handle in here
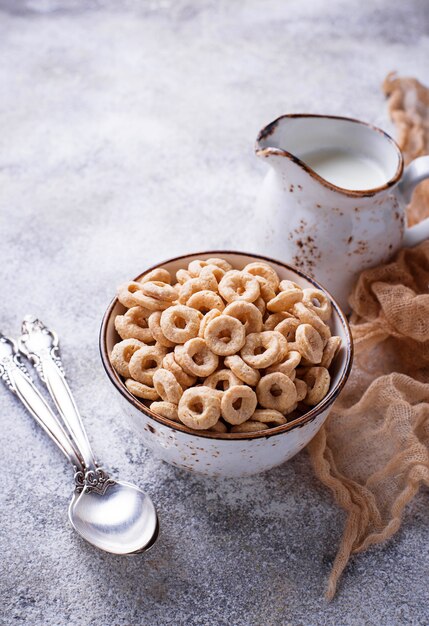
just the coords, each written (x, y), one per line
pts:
(16, 378)
(40, 345)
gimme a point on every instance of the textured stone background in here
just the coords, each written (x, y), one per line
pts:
(126, 134)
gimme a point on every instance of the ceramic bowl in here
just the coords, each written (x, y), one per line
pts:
(226, 454)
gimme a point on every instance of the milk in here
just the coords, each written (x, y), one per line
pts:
(348, 170)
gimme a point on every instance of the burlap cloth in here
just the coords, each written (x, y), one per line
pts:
(373, 452)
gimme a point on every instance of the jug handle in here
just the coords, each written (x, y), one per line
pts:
(414, 174)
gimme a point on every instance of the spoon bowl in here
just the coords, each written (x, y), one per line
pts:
(122, 520)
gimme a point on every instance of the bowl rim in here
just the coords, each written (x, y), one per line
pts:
(264, 434)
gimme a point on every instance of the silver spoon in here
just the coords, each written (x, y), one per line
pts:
(114, 516)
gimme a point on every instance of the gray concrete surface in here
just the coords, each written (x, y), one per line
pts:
(126, 134)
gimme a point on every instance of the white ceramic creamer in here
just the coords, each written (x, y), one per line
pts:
(333, 202)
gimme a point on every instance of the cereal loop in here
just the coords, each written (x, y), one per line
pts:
(225, 335)
(180, 323)
(133, 325)
(318, 381)
(284, 300)
(244, 372)
(238, 404)
(301, 389)
(156, 330)
(332, 346)
(247, 313)
(288, 327)
(122, 353)
(204, 301)
(167, 386)
(274, 319)
(199, 408)
(222, 379)
(224, 265)
(318, 301)
(159, 274)
(268, 416)
(219, 427)
(237, 285)
(307, 316)
(146, 392)
(288, 366)
(309, 343)
(126, 293)
(276, 391)
(165, 409)
(259, 268)
(208, 317)
(184, 379)
(144, 363)
(263, 349)
(196, 358)
(159, 291)
(182, 276)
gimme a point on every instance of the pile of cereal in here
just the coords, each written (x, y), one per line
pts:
(222, 349)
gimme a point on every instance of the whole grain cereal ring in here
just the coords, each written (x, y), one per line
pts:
(199, 408)
(156, 330)
(259, 268)
(267, 293)
(167, 386)
(276, 391)
(184, 379)
(288, 366)
(246, 313)
(196, 358)
(244, 372)
(238, 404)
(153, 304)
(260, 304)
(165, 409)
(225, 335)
(219, 427)
(307, 316)
(224, 265)
(268, 416)
(159, 291)
(236, 285)
(249, 427)
(332, 346)
(309, 343)
(208, 277)
(122, 353)
(195, 268)
(287, 328)
(222, 379)
(144, 363)
(286, 285)
(191, 286)
(204, 301)
(126, 293)
(273, 345)
(284, 300)
(318, 381)
(317, 301)
(208, 317)
(133, 325)
(180, 323)
(140, 390)
(182, 276)
(158, 274)
(301, 389)
(275, 318)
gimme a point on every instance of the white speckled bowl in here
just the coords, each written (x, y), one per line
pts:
(227, 454)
